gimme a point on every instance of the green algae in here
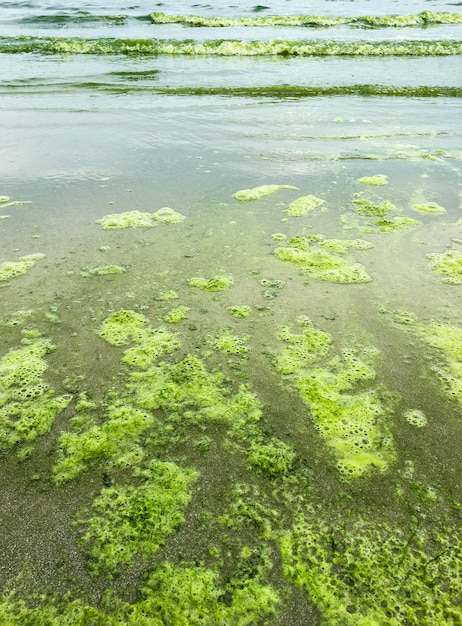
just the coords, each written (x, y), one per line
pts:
(273, 459)
(139, 219)
(191, 594)
(241, 310)
(371, 21)
(416, 418)
(313, 257)
(431, 208)
(447, 340)
(154, 47)
(352, 422)
(220, 282)
(136, 521)
(105, 270)
(368, 208)
(168, 295)
(302, 206)
(448, 264)
(13, 269)
(247, 195)
(177, 315)
(377, 180)
(229, 343)
(28, 405)
(389, 225)
(360, 573)
(278, 237)
(129, 219)
(150, 343)
(166, 215)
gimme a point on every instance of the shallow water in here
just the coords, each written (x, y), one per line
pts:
(84, 136)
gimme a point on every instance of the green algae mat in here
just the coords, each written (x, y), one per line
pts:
(230, 314)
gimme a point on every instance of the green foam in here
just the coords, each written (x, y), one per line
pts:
(168, 295)
(377, 180)
(105, 270)
(371, 21)
(388, 225)
(151, 343)
(12, 269)
(242, 310)
(273, 459)
(221, 282)
(28, 405)
(361, 573)
(416, 418)
(371, 209)
(431, 208)
(136, 521)
(314, 259)
(448, 264)
(138, 219)
(351, 421)
(229, 343)
(177, 315)
(247, 195)
(302, 206)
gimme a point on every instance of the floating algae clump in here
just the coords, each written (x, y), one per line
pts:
(370, 209)
(129, 522)
(359, 574)
(129, 219)
(314, 259)
(448, 340)
(303, 205)
(12, 269)
(151, 343)
(242, 310)
(166, 215)
(28, 405)
(246, 195)
(448, 265)
(105, 270)
(227, 342)
(352, 424)
(216, 283)
(432, 208)
(138, 219)
(272, 459)
(177, 315)
(168, 295)
(388, 225)
(416, 418)
(378, 179)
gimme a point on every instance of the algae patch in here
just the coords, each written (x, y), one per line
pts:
(135, 521)
(104, 270)
(247, 195)
(303, 205)
(220, 282)
(12, 269)
(431, 208)
(359, 572)
(377, 180)
(448, 264)
(314, 259)
(139, 219)
(28, 405)
(177, 315)
(242, 310)
(351, 421)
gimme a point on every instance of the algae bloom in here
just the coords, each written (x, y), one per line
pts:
(216, 283)
(139, 219)
(377, 180)
(246, 195)
(448, 265)
(302, 206)
(12, 269)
